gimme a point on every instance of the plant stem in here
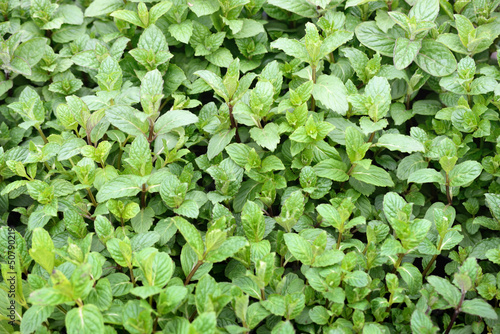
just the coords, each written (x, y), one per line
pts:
(372, 135)
(163, 104)
(262, 294)
(92, 198)
(132, 278)
(448, 193)
(426, 270)
(234, 125)
(41, 134)
(155, 324)
(151, 130)
(143, 196)
(313, 76)
(398, 262)
(455, 314)
(119, 159)
(339, 240)
(62, 309)
(348, 174)
(193, 315)
(47, 166)
(193, 271)
(350, 170)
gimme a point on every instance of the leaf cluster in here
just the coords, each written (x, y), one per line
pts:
(249, 166)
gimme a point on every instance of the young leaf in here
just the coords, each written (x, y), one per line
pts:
(252, 219)
(449, 292)
(405, 52)
(395, 142)
(191, 234)
(299, 247)
(86, 319)
(331, 92)
(465, 173)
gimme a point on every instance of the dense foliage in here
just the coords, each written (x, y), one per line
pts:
(249, 166)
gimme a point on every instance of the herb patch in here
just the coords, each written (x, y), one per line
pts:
(249, 166)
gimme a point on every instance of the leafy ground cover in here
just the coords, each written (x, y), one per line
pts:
(249, 166)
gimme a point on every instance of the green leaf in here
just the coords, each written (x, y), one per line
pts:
(300, 7)
(402, 143)
(493, 202)
(144, 292)
(228, 248)
(158, 10)
(435, 59)
(42, 249)
(121, 251)
(299, 247)
(480, 308)
(238, 153)
(493, 255)
(139, 159)
(332, 169)
(356, 147)
(86, 319)
(110, 75)
(182, 31)
(31, 51)
(191, 235)
(173, 119)
(331, 92)
(426, 175)
(252, 220)
(379, 90)
(268, 137)
(412, 277)
(101, 295)
(204, 323)
(214, 82)
(405, 52)
(127, 119)
(151, 92)
(128, 16)
(204, 7)
(425, 10)
(50, 296)
(161, 270)
(357, 279)
(275, 304)
(374, 175)
(250, 28)
(330, 215)
(333, 41)
(422, 323)
(271, 163)
(371, 36)
(465, 173)
(319, 315)
(102, 7)
(219, 141)
(291, 47)
(171, 298)
(449, 292)
(34, 317)
(189, 208)
(120, 186)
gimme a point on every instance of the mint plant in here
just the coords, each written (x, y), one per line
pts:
(249, 166)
